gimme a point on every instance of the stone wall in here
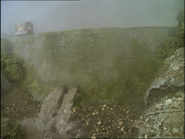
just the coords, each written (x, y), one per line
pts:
(87, 57)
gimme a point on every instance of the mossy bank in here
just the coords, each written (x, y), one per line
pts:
(108, 64)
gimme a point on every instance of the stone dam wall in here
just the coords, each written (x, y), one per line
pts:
(88, 57)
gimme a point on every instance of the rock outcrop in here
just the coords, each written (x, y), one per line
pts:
(170, 80)
(52, 120)
(164, 117)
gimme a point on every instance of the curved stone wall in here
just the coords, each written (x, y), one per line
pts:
(87, 57)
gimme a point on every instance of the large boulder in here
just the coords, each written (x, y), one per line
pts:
(170, 80)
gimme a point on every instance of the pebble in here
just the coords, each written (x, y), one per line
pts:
(165, 128)
(120, 123)
(102, 109)
(99, 123)
(122, 129)
(159, 106)
(104, 106)
(168, 102)
(147, 119)
(87, 123)
(146, 136)
(94, 113)
(141, 117)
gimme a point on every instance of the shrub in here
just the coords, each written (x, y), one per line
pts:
(9, 64)
(10, 131)
(13, 72)
(175, 42)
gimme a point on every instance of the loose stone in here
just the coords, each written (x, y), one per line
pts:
(147, 119)
(120, 123)
(93, 137)
(168, 102)
(165, 128)
(104, 106)
(122, 129)
(99, 123)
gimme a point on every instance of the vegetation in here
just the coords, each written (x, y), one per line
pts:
(126, 87)
(10, 65)
(10, 131)
(175, 42)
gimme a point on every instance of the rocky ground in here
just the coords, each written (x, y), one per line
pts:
(163, 115)
(17, 104)
(111, 121)
(165, 119)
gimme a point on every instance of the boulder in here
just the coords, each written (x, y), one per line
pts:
(172, 77)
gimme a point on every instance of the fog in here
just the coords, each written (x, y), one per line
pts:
(49, 16)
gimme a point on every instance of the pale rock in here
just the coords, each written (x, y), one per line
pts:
(104, 106)
(122, 129)
(120, 123)
(146, 136)
(87, 123)
(94, 134)
(74, 109)
(99, 123)
(141, 117)
(168, 102)
(165, 128)
(147, 119)
(102, 109)
(158, 106)
(94, 113)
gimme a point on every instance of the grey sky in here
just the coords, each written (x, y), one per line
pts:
(62, 15)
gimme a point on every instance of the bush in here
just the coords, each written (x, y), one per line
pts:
(177, 41)
(10, 131)
(9, 64)
(13, 72)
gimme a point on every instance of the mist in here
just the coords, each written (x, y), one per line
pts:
(48, 16)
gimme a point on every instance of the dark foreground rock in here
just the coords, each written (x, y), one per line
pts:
(5, 85)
